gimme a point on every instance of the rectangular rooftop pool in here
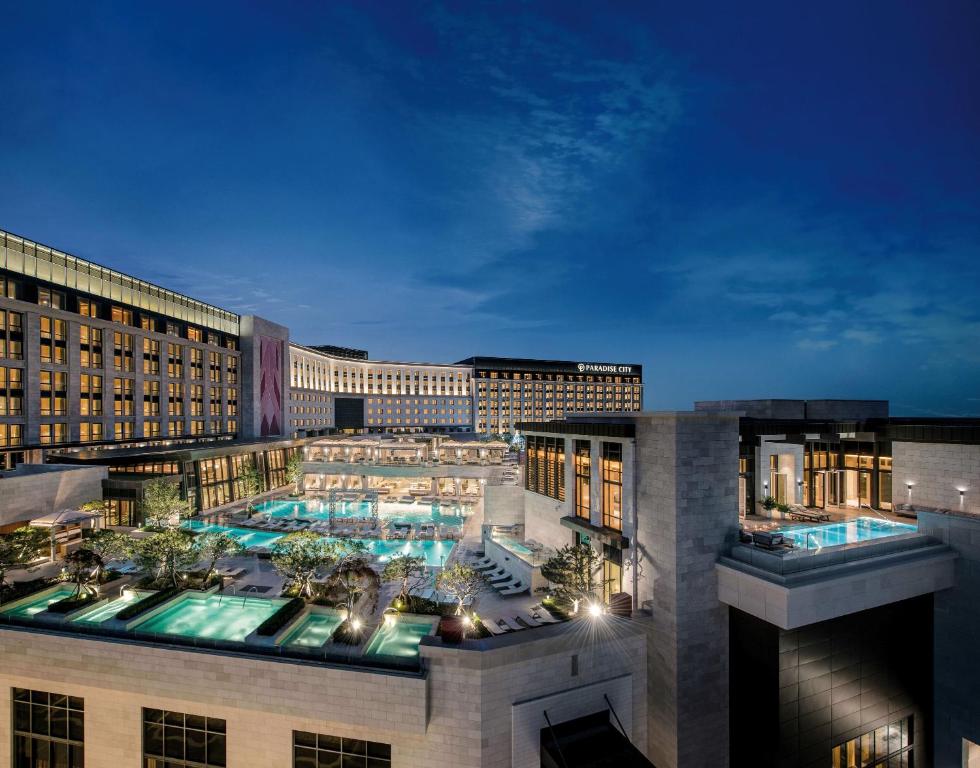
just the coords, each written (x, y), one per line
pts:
(847, 532)
(399, 639)
(313, 631)
(211, 617)
(35, 604)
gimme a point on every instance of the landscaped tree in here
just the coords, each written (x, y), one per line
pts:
(82, 566)
(97, 506)
(407, 569)
(294, 470)
(352, 575)
(109, 545)
(21, 547)
(461, 582)
(251, 483)
(163, 506)
(166, 554)
(572, 571)
(214, 545)
(299, 556)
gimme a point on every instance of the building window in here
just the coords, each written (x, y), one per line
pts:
(53, 393)
(151, 357)
(90, 431)
(215, 393)
(120, 315)
(124, 430)
(214, 367)
(175, 361)
(122, 351)
(151, 429)
(175, 399)
(197, 363)
(197, 400)
(49, 730)
(546, 466)
(583, 479)
(173, 329)
(88, 308)
(194, 334)
(885, 747)
(232, 402)
(90, 346)
(122, 397)
(48, 298)
(151, 398)
(53, 340)
(9, 287)
(90, 395)
(176, 740)
(11, 335)
(231, 368)
(51, 434)
(311, 750)
(11, 392)
(612, 486)
(11, 435)
(176, 427)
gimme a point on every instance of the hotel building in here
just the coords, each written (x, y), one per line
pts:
(331, 390)
(510, 390)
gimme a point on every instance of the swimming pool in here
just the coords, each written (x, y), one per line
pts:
(848, 532)
(395, 511)
(313, 631)
(398, 639)
(244, 536)
(434, 552)
(35, 604)
(214, 617)
(108, 610)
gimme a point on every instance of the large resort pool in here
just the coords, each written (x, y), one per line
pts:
(393, 511)
(435, 552)
(847, 532)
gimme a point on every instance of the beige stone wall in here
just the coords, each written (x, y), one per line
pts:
(458, 714)
(938, 471)
(31, 492)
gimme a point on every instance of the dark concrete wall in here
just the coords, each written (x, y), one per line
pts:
(957, 638)
(834, 680)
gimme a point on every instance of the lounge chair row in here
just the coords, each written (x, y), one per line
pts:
(535, 617)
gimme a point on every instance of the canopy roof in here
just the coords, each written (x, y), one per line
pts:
(64, 517)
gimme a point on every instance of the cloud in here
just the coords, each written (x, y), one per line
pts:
(816, 345)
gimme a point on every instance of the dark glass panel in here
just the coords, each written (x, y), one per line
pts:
(216, 749)
(153, 739)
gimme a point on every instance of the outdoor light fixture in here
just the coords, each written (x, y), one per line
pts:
(595, 610)
(355, 625)
(467, 622)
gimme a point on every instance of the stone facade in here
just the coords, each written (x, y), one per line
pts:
(34, 490)
(938, 471)
(688, 510)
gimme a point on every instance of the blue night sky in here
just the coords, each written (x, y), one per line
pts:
(749, 199)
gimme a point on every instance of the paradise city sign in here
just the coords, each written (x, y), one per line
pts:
(600, 368)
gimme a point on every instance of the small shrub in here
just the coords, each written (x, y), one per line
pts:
(783, 508)
(281, 617)
(769, 503)
(147, 603)
(70, 604)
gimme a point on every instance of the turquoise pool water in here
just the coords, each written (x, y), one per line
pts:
(434, 552)
(849, 532)
(515, 546)
(109, 610)
(399, 512)
(400, 639)
(38, 603)
(314, 630)
(214, 617)
(247, 538)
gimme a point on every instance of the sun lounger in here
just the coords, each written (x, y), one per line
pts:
(494, 628)
(541, 615)
(500, 584)
(514, 625)
(515, 589)
(485, 561)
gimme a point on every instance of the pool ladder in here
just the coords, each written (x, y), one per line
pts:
(245, 593)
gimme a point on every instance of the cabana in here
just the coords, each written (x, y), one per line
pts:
(66, 527)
